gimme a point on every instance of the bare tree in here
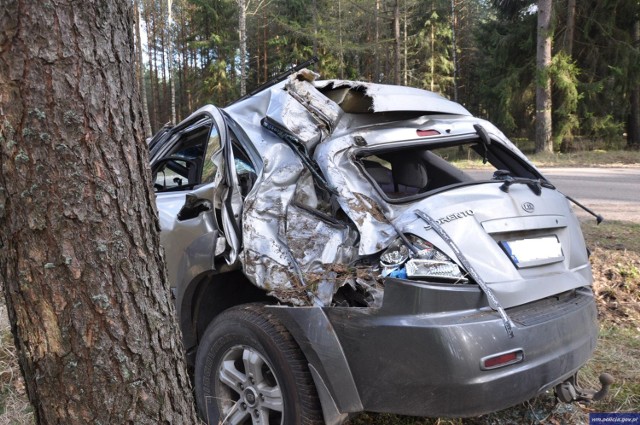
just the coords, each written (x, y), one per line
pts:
(79, 251)
(633, 130)
(543, 83)
(397, 77)
(140, 73)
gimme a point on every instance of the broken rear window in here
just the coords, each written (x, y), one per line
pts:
(409, 172)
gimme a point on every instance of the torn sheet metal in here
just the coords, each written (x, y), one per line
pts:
(360, 97)
(291, 247)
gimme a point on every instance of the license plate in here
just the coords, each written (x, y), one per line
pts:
(534, 251)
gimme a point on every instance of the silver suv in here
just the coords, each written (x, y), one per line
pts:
(328, 256)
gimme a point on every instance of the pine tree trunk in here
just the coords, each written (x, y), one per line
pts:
(454, 49)
(341, 59)
(405, 57)
(544, 143)
(314, 11)
(163, 58)
(633, 130)
(242, 35)
(172, 77)
(141, 80)
(571, 26)
(79, 251)
(397, 43)
(153, 68)
(376, 48)
(265, 48)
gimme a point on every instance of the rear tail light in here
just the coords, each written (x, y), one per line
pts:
(501, 359)
(425, 133)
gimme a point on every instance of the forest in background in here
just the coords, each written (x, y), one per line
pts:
(481, 53)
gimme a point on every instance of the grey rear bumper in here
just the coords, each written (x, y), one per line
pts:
(420, 354)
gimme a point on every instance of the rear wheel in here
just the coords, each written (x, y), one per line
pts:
(249, 370)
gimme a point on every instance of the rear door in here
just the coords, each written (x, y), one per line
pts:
(201, 175)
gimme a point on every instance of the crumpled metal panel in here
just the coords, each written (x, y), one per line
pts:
(364, 205)
(266, 258)
(291, 247)
(360, 97)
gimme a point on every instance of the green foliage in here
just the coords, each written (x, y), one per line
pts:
(605, 127)
(506, 77)
(564, 74)
(355, 39)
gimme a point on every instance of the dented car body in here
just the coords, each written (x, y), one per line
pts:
(408, 284)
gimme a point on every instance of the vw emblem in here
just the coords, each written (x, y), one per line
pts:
(528, 207)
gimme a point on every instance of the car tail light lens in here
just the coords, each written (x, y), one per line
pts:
(502, 359)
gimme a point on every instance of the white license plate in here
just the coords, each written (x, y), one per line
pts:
(533, 252)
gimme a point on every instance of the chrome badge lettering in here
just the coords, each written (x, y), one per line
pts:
(452, 217)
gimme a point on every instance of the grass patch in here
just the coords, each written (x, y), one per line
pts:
(598, 158)
(618, 353)
(14, 407)
(595, 158)
(612, 235)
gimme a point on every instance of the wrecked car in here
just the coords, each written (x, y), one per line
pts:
(328, 255)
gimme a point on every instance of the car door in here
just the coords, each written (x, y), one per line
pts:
(187, 171)
(201, 174)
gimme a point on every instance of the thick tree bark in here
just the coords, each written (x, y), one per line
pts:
(79, 251)
(543, 84)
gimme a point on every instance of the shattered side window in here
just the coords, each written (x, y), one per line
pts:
(409, 172)
(245, 170)
(213, 146)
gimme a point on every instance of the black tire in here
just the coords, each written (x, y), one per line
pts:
(247, 367)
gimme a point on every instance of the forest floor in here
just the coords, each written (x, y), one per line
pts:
(615, 262)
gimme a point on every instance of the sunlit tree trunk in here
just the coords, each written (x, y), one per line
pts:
(454, 50)
(242, 36)
(376, 48)
(405, 72)
(80, 261)
(544, 143)
(141, 80)
(341, 53)
(397, 43)
(172, 77)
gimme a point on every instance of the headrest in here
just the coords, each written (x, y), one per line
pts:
(409, 170)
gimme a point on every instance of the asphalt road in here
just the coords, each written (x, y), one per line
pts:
(613, 193)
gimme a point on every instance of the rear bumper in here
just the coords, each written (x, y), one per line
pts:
(420, 354)
(426, 362)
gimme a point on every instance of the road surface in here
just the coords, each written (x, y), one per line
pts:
(613, 193)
